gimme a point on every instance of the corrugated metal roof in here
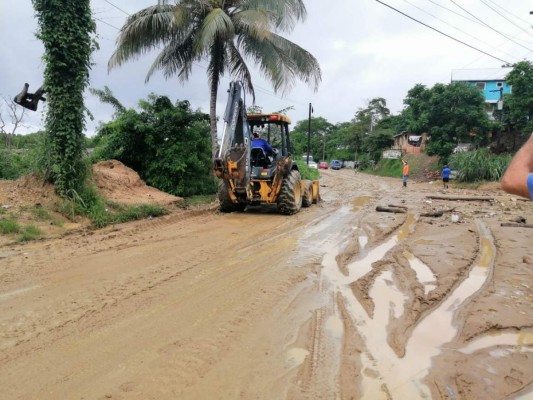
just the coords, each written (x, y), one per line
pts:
(480, 74)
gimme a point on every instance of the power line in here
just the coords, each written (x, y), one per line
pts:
(509, 12)
(118, 8)
(442, 33)
(456, 28)
(108, 24)
(490, 27)
(504, 17)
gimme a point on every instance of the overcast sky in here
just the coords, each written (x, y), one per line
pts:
(365, 50)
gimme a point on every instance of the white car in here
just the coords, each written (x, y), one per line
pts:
(312, 164)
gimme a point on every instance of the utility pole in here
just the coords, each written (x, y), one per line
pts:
(309, 133)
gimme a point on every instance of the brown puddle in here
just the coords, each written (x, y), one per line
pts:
(403, 377)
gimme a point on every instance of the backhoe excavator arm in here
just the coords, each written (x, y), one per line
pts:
(233, 160)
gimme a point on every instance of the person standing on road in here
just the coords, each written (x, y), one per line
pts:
(405, 173)
(446, 171)
(518, 178)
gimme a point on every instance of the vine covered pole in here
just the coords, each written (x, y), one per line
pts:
(65, 28)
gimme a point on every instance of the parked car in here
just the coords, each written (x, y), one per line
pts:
(335, 164)
(323, 165)
(312, 164)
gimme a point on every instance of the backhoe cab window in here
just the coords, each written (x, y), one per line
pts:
(274, 128)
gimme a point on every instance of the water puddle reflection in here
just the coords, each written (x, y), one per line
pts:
(386, 375)
(423, 273)
(516, 339)
(295, 357)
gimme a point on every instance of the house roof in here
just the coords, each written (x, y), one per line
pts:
(480, 74)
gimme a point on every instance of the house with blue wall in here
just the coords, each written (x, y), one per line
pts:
(491, 81)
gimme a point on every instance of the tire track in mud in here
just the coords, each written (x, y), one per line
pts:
(384, 373)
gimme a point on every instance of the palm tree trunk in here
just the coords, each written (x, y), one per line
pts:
(213, 116)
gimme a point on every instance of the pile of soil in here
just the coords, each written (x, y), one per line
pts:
(31, 201)
(121, 184)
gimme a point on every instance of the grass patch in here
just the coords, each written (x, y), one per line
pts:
(306, 172)
(9, 226)
(101, 213)
(29, 232)
(387, 167)
(479, 165)
(41, 213)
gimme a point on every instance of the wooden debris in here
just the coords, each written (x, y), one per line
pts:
(516, 225)
(455, 198)
(392, 209)
(438, 213)
(393, 205)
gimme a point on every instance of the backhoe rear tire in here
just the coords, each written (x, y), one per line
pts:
(290, 195)
(226, 205)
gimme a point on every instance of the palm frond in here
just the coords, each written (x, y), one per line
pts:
(142, 32)
(256, 23)
(285, 13)
(176, 57)
(106, 96)
(239, 69)
(282, 61)
(216, 26)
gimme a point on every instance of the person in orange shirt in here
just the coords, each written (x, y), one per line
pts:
(405, 172)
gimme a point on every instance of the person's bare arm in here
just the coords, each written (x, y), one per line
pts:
(514, 180)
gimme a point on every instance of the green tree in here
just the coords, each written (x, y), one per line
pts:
(320, 132)
(65, 28)
(450, 114)
(167, 144)
(416, 113)
(376, 141)
(225, 33)
(520, 102)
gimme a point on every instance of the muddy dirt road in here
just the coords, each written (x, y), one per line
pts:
(337, 302)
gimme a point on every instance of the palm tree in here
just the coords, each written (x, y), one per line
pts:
(225, 33)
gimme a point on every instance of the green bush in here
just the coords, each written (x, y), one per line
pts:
(168, 145)
(479, 165)
(90, 204)
(9, 226)
(29, 232)
(306, 172)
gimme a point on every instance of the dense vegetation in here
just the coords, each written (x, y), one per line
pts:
(65, 28)
(167, 144)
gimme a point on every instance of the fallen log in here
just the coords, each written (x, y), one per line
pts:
(516, 225)
(391, 210)
(455, 198)
(394, 205)
(438, 213)
(433, 214)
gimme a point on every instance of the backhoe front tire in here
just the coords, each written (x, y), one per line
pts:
(307, 197)
(226, 205)
(290, 195)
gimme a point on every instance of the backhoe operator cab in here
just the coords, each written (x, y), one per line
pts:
(248, 175)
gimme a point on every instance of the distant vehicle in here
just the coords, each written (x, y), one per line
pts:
(335, 164)
(323, 165)
(312, 164)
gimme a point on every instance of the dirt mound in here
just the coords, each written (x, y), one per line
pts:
(25, 191)
(121, 184)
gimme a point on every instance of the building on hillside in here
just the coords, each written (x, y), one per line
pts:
(410, 143)
(491, 81)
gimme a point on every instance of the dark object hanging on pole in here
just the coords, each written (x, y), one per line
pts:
(30, 100)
